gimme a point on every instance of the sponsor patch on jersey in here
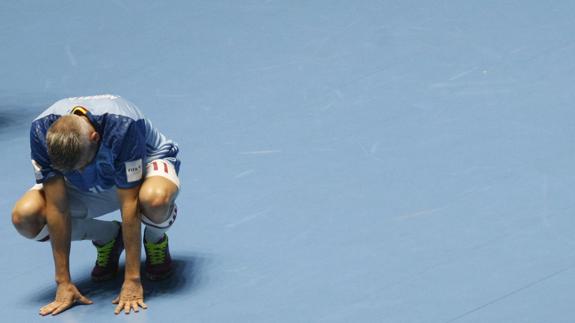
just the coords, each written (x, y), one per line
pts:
(134, 170)
(37, 170)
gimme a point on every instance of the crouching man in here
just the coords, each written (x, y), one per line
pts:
(92, 156)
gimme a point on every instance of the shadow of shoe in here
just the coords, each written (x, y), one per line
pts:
(186, 276)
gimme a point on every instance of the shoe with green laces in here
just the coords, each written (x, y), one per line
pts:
(108, 259)
(158, 259)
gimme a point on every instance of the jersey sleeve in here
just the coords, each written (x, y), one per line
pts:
(130, 156)
(40, 161)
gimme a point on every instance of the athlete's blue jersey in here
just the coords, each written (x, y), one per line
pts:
(128, 142)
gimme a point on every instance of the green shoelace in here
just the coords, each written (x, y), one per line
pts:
(157, 251)
(104, 253)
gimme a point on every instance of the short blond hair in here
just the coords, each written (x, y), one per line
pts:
(67, 140)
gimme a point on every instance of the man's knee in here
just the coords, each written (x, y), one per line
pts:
(27, 218)
(155, 203)
(155, 197)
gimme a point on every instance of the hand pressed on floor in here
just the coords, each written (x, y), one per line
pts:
(66, 295)
(131, 297)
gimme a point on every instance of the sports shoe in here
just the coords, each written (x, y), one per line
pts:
(109, 253)
(158, 259)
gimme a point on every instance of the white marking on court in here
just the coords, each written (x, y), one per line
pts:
(71, 57)
(421, 212)
(245, 173)
(545, 191)
(374, 148)
(462, 74)
(511, 293)
(47, 84)
(327, 106)
(248, 218)
(172, 95)
(261, 152)
(474, 84)
(371, 152)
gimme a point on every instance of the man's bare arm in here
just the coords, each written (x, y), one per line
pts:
(132, 294)
(58, 220)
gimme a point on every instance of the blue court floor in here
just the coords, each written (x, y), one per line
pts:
(342, 161)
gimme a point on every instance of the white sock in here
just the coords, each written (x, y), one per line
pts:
(154, 232)
(43, 235)
(87, 229)
(154, 235)
(96, 230)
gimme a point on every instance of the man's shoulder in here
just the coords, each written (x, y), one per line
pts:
(101, 105)
(98, 105)
(39, 126)
(110, 97)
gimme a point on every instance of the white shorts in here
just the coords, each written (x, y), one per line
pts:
(88, 205)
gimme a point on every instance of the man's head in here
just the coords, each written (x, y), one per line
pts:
(72, 143)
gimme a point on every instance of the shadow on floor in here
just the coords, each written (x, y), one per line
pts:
(18, 110)
(187, 276)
